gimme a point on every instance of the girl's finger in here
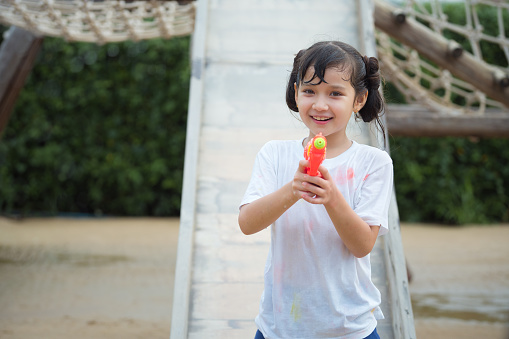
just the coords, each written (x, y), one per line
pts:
(303, 164)
(314, 181)
(315, 190)
(312, 199)
(325, 173)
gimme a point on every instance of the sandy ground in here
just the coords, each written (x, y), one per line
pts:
(460, 280)
(87, 278)
(113, 278)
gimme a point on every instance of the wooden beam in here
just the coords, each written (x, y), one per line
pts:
(446, 54)
(17, 55)
(417, 121)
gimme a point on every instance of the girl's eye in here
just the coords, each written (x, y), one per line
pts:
(335, 94)
(308, 91)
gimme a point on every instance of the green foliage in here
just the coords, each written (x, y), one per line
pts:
(451, 180)
(99, 129)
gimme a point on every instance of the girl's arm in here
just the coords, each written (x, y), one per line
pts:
(356, 234)
(264, 211)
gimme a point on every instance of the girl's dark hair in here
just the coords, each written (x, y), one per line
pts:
(364, 74)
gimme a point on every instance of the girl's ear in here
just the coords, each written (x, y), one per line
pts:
(360, 101)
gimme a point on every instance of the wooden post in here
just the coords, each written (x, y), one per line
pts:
(488, 79)
(17, 56)
(418, 121)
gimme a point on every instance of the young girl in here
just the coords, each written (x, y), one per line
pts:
(318, 273)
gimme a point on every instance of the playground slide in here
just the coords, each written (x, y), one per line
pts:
(241, 57)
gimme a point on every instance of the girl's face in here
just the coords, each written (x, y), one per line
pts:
(326, 107)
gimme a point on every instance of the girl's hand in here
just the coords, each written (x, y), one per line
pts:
(315, 190)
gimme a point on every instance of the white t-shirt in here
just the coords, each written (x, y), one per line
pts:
(314, 286)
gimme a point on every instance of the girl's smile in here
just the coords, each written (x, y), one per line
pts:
(321, 120)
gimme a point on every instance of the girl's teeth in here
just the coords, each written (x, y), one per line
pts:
(320, 118)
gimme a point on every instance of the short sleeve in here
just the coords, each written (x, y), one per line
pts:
(373, 202)
(264, 177)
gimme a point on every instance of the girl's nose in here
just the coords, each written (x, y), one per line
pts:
(320, 105)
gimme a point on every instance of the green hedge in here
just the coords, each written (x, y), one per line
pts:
(451, 180)
(99, 130)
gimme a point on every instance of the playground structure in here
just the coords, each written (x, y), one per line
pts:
(218, 269)
(430, 70)
(427, 68)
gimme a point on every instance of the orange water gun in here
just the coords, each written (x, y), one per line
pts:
(315, 153)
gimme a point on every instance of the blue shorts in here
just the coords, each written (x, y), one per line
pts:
(373, 335)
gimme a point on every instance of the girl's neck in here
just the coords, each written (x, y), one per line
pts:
(336, 144)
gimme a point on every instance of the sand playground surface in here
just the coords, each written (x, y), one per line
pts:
(113, 278)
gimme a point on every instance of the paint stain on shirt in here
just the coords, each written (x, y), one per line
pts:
(350, 174)
(345, 177)
(295, 311)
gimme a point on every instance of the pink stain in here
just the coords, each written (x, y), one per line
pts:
(367, 175)
(341, 176)
(350, 174)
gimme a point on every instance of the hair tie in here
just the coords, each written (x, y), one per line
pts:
(366, 63)
(372, 78)
(368, 76)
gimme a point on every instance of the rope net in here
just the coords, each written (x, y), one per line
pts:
(478, 25)
(100, 21)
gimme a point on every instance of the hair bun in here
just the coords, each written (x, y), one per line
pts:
(372, 73)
